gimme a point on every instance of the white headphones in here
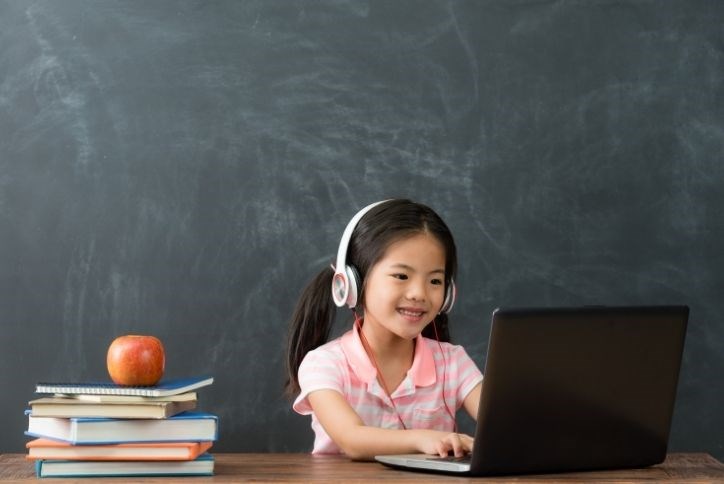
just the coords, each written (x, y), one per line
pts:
(346, 283)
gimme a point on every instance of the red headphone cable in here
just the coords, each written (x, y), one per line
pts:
(368, 348)
(444, 374)
(369, 351)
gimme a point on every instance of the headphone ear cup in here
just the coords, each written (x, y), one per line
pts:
(340, 288)
(450, 295)
(353, 280)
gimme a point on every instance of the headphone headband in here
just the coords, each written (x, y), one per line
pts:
(347, 235)
(344, 285)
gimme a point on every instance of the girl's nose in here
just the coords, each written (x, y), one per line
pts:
(416, 291)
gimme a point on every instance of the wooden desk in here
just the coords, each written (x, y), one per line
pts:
(307, 468)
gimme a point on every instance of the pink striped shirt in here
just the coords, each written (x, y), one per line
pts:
(344, 366)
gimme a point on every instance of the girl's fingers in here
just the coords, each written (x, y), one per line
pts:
(467, 442)
(455, 444)
(458, 444)
(461, 444)
(441, 449)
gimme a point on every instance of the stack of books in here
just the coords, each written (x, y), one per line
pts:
(102, 429)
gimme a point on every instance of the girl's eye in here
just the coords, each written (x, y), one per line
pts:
(437, 282)
(402, 277)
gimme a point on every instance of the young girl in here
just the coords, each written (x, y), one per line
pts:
(392, 383)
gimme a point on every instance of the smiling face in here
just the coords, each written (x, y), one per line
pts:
(405, 289)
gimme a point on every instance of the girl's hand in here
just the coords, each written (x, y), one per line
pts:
(442, 443)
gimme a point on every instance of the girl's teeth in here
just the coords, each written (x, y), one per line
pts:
(411, 313)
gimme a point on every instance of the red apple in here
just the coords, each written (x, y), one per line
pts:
(136, 360)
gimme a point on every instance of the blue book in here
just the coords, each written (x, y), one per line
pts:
(201, 466)
(163, 389)
(183, 427)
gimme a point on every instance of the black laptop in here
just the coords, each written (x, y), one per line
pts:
(572, 389)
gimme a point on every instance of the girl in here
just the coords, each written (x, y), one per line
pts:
(391, 384)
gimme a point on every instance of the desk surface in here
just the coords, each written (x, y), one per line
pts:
(307, 468)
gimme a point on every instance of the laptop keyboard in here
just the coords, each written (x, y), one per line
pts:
(451, 458)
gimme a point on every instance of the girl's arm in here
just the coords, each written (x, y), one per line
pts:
(472, 401)
(359, 441)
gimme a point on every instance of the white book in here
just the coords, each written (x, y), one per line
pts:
(202, 466)
(184, 427)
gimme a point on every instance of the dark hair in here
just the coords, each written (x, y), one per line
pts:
(384, 224)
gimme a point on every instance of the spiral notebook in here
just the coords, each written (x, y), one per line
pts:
(572, 389)
(162, 389)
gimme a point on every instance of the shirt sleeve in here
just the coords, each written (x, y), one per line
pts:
(319, 370)
(468, 373)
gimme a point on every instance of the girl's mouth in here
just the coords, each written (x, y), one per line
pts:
(411, 313)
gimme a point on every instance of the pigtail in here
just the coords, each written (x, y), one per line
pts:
(310, 325)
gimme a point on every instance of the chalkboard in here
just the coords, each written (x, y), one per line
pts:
(183, 168)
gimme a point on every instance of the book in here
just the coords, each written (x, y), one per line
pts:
(201, 466)
(52, 449)
(80, 407)
(179, 397)
(185, 427)
(163, 388)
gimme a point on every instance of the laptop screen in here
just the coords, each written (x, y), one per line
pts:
(578, 388)
(571, 389)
